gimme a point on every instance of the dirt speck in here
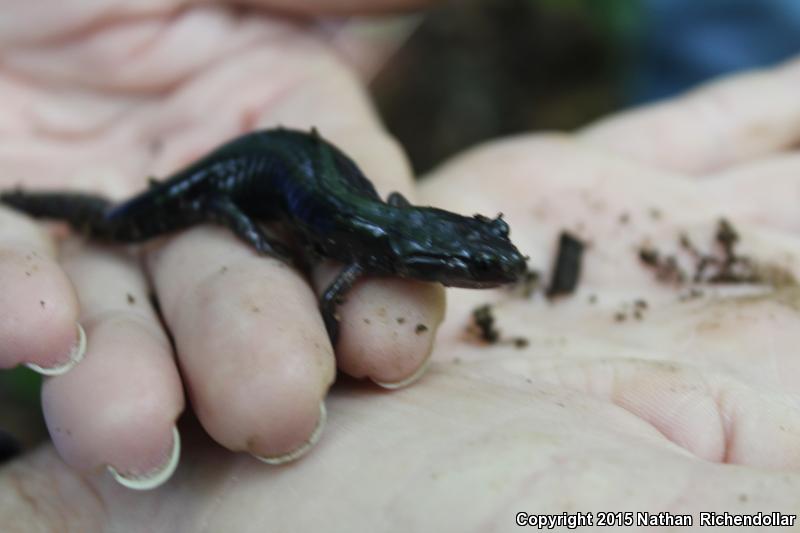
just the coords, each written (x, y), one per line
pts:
(131, 298)
(529, 282)
(483, 317)
(520, 342)
(655, 213)
(666, 268)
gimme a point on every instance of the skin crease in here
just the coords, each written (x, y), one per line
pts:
(692, 408)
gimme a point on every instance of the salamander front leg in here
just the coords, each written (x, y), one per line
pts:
(223, 211)
(333, 297)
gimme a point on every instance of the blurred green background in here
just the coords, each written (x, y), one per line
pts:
(478, 69)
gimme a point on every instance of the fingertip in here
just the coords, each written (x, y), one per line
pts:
(76, 354)
(388, 330)
(155, 477)
(405, 382)
(117, 406)
(304, 448)
(39, 311)
(276, 417)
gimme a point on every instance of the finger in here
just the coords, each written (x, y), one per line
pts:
(253, 348)
(132, 60)
(23, 24)
(387, 328)
(50, 20)
(388, 351)
(118, 410)
(726, 122)
(38, 306)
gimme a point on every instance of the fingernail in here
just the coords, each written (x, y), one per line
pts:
(304, 448)
(407, 381)
(155, 478)
(75, 356)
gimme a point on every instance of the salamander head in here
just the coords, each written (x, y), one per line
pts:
(457, 251)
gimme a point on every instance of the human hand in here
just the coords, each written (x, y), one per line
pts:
(99, 99)
(693, 408)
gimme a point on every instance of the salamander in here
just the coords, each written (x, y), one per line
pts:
(319, 195)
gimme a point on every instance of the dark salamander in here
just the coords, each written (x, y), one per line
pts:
(319, 195)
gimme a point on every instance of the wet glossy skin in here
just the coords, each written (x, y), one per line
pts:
(319, 195)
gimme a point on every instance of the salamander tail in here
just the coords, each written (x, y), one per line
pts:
(86, 213)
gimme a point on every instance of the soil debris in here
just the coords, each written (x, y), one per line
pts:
(567, 270)
(530, 282)
(520, 342)
(723, 264)
(635, 310)
(666, 267)
(484, 324)
(483, 317)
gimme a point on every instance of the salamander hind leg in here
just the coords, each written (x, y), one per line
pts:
(225, 212)
(332, 298)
